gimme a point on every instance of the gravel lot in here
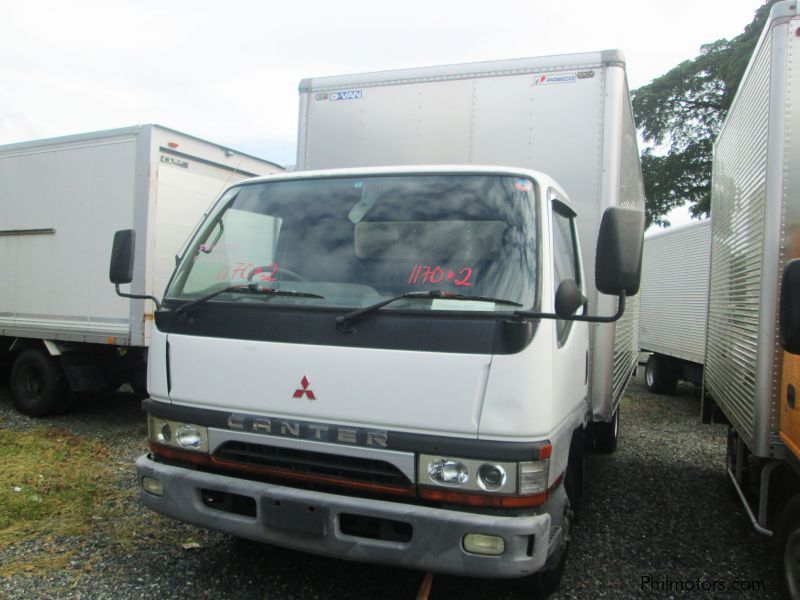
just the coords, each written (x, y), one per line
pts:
(659, 508)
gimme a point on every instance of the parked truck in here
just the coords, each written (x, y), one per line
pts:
(61, 327)
(407, 369)
(673, 305)
(755, 232)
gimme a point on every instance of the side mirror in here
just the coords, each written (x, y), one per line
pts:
(790, 307)
(618, 265)
(568, 299)
(121, 267)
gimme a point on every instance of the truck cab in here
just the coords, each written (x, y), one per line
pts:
(383, 364)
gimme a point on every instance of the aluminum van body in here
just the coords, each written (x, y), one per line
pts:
(62, 200)
(673, 304)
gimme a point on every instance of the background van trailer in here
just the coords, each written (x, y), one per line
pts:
(61, 200)
(673, 303)
(755, 232)
(568, 116)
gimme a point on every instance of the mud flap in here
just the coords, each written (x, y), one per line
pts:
(82, 372)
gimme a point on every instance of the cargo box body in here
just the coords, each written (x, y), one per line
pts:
(62, 200)
(568, 116)
(673, 298)
(755, 230)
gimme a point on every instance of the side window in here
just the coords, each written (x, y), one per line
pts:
(565, 259)
(239, 243)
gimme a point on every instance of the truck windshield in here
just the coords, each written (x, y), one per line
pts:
(352, 241)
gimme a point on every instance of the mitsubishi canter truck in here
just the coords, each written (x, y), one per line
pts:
(395, 364)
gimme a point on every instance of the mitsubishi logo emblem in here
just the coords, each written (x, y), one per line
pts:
(304, 391)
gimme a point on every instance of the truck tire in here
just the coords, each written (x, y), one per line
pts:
(605, 434)
(788, 547)
(659, 375)
(38, 384)
(545, 583)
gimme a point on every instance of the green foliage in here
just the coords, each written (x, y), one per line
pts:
(680, 113)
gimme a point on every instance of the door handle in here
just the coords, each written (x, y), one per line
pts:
(790, 396)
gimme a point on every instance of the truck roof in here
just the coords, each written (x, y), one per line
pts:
(466, 70)
(105, 133)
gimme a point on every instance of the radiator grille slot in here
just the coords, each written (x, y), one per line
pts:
(313, 463)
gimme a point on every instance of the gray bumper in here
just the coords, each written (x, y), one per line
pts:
(435, 544)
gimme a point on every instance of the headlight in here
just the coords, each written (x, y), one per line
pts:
(491, 477)
(165, 435)
(448, 472)
(483, 476)
(174, 434)
(467, 474)
(189, 436)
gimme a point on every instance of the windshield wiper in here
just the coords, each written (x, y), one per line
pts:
(252, 288)
(350, 317)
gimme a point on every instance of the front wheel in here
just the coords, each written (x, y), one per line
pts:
(605, 435)
(38, 384)
(659, 375)
(544, 583)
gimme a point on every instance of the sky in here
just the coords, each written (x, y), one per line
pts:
(228, 71)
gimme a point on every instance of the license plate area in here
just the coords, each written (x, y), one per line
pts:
(294, 516)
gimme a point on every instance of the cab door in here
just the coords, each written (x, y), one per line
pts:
(572, 337)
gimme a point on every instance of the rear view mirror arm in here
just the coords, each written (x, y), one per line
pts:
(529, 314)
(137, 296)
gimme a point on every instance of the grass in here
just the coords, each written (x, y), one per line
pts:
(52, 484)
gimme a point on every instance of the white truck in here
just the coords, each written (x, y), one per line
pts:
(751, 374)
(62, 199)
(395, 366)
(673, 305)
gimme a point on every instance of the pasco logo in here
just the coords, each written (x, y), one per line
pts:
(346, 95)
(555, 78)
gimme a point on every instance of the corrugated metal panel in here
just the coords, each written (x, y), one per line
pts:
(626, 333)
(737, 238)
(790, 239)
(626, 347)
(674, 292)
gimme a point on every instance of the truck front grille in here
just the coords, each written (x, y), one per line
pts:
(304, 462)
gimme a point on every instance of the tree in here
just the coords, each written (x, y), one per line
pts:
(680, 114)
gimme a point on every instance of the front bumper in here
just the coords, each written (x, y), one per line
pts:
(435, 543)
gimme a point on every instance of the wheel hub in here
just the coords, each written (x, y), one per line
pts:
(31, 383)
